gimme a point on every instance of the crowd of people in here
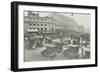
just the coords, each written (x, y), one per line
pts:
(71, 45)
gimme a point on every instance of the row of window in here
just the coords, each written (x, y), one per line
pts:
(38, 24)
(45, 29)
(46, 20)
(27, 19)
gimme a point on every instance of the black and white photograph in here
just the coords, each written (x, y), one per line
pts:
(52, 36)
(56, 36)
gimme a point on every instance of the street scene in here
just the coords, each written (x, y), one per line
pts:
(52, 36)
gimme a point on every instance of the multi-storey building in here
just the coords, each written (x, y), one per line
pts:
(34, 23)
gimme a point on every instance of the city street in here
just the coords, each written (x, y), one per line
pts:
(35, 55)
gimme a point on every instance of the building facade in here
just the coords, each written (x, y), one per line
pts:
(34, 23)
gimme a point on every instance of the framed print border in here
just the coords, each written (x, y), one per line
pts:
(15, 39)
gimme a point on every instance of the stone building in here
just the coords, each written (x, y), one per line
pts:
(34, 23)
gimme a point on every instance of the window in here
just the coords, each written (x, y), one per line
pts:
(34, 28)
(45, 29)
(30, 28)
(52, 28)
(38, 28)
(34, 24)
(41, 24)
(45, 24)
(30, 24)
(37, 24)
(41, 29)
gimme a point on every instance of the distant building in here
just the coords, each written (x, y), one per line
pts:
(34, 23)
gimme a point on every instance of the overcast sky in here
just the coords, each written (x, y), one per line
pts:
(82, 19)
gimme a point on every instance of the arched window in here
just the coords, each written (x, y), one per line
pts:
(41, 29)
(41, 24)
(45, 24)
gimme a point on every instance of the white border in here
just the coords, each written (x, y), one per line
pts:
(22, 64)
